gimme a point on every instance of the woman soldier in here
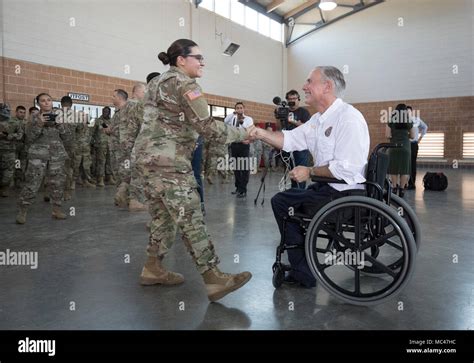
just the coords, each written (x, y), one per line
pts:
(46, 158)
(176, 112)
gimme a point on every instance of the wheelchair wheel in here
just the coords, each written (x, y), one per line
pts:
(278, 276)
(359, 224)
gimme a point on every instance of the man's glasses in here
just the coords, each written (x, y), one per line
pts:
(199, 57)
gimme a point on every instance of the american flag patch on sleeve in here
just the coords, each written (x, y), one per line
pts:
(192, 95)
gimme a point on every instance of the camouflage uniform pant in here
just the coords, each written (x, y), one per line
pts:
(55, 178)
(174, 204)
(137, 184)
(82, 156)
(19, 177)
(111, 164)
(100, 161)
(7, 167)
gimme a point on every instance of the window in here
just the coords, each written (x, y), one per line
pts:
(218, 112)
(264, 25)
(207, 4)
(467, 145)
(432, 145)
(237, 12)
(275, 30)
(251, 18)
(229, 110)
(223, 8)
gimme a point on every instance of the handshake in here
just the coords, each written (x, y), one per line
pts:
(252, 134)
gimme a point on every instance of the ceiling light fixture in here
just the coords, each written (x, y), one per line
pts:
(327, 5)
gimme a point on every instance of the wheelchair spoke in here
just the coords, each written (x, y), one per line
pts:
(357, 281)
(338, 238)
(380, 265)
(394, 245)
(378, 240)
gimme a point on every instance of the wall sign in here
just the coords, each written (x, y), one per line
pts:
(79, 96)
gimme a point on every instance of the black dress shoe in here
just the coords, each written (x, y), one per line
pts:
(241, 195)
(235, 192)
(401, 192)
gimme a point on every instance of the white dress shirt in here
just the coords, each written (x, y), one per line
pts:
(339, 138)
(232, 121)
(418, 124)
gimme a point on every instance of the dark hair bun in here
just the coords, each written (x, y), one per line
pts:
(163, 57)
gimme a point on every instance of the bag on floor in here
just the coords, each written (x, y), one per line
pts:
(435, 181)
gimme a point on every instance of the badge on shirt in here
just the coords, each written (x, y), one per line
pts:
(193, 94)
(328, 131)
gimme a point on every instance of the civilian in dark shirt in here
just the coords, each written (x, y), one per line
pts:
(297, 116)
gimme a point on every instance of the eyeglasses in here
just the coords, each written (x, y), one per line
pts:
(199, 57)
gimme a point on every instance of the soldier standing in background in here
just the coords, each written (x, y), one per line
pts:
(214, 152)
(20, 119)
(175, 111)
(10, 134)
(126, 127)
(82, 152)
(46, 157)
(100, 144)
(119, 98)
(69, 142)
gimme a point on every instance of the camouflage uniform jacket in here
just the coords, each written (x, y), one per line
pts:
(175, 112)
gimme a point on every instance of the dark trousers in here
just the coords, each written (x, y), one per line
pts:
(414, 155)
(240, 150)
(196, 164)
(294, 235)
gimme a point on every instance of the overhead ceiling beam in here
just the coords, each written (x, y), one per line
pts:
(308, 5)
(320, 25)
(253, 4)
(273, 5)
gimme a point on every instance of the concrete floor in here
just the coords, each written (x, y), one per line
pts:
(82, 263)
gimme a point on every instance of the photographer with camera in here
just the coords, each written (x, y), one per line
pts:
(240, 149)
(338, 138)
(297, 116)
(46, 157)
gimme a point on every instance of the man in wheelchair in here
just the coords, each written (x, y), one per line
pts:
(338, 138)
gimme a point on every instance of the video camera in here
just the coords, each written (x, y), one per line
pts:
(282, 111)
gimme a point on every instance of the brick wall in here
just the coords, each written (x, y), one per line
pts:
(24, 80)
(453, 115)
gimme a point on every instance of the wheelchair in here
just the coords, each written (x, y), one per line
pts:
(360, 245)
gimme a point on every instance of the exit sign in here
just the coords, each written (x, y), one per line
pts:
(79, 96)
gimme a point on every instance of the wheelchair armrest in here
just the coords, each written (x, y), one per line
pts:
(323, 179)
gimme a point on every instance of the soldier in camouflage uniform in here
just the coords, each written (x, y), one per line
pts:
(100, 144)
(82, 151)
(69, 142)
(10, 133)
(20, 119)
(175, 109)
(214, 152)
(129, 123)
(46, 156)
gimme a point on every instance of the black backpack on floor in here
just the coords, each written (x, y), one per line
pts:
(435, 181)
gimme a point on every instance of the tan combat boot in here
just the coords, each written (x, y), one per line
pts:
(121, 197)
(67, 195)
(219, 284)
(148, 226)
(21, 216)
(88, 184)
(73, 185)
(209, 179)
(135, 206)
(100, 182)
(154, 273)
(57, 212)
